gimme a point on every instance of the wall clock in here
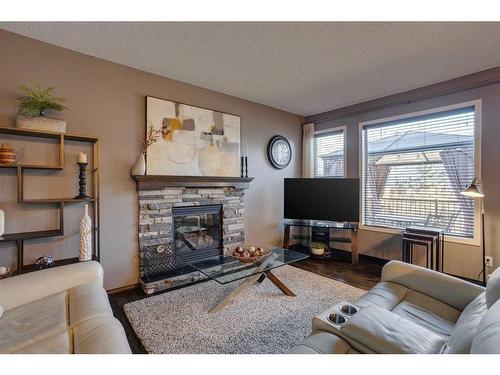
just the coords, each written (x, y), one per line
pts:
(279, 152)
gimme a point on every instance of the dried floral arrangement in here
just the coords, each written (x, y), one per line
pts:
(152, 136)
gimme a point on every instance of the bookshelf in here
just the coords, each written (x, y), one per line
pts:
(20, 237)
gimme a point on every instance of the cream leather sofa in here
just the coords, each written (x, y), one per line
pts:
(414, 310)
(59, 310)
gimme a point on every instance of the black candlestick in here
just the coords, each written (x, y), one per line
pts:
(246, 166)
(82, 182)
(242, 166)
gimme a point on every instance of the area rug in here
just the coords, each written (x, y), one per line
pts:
(260, 320)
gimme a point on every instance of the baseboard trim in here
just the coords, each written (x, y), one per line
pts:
(368, 258)
(123, 288)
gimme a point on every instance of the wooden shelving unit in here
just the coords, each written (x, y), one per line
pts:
(20, 237)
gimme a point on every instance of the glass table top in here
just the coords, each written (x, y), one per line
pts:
(226, 269)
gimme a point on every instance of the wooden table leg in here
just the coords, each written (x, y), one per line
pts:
(354, 246)
(245, 284)
(286, 237)
(279, 284)
(231, 296)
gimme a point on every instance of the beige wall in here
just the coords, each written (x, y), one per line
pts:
(460, 259)
(107, 100)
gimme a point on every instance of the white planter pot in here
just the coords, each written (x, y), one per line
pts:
(41, 123)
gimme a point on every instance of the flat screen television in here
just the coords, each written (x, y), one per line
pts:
(334, 199)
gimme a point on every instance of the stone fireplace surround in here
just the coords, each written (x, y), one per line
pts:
(157, 195)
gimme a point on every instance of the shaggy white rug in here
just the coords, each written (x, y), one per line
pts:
(260, 320)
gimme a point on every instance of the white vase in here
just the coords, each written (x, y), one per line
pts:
(85, 236)
(139, 168)
(2, 223)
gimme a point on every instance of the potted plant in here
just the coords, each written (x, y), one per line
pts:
(318, 248)
(36, 106)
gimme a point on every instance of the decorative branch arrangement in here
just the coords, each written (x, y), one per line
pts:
(152, 136)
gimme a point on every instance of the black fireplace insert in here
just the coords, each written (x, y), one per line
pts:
(197, 232)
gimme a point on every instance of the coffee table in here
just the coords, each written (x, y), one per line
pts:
(226, 269)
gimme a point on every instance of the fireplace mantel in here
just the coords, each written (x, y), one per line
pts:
(157, 182)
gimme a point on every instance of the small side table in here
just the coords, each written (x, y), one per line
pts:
(432, 238)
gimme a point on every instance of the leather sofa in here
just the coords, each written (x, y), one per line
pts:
(59, 310)
(413, 310)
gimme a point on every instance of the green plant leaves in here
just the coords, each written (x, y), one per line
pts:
(37, 100)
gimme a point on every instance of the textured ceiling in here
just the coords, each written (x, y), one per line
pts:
(303, 68)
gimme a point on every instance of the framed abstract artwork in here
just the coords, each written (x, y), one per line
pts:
(194, 141)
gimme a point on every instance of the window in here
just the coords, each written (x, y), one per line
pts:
(329, 153)
(414, 168)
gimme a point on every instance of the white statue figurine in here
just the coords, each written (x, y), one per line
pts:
(86, 236)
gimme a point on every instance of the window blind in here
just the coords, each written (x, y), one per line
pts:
(329, 154)
(414, 169)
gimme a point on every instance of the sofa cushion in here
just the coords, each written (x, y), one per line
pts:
(412, 305)
(428, 312)
(384, 332)
(386, 295)
(103, 335)
(465, 329)
(322, 342)
(493, 288)
(60, 343)
(28, 324)
(487, 338)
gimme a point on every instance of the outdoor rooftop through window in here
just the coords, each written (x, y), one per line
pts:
(415, 168)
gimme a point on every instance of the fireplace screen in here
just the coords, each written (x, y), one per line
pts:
(197, 232)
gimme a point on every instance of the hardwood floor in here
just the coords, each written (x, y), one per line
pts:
(364, 275)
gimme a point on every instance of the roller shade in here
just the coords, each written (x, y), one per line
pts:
(414, 169)
(329, 154)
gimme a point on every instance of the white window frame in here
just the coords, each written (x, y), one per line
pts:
(343, 129)
(477, 104)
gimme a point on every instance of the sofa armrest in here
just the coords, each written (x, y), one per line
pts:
(385, 332)
(19, 290)
(451, 290)
(322, 342)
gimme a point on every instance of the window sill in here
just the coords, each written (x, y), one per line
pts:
(448, 238)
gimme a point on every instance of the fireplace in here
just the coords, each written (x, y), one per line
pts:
(197, 232)
(184, 218)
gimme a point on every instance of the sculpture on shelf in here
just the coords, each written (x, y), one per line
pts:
(85, 236)
(45, 261)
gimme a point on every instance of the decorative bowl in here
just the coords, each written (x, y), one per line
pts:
(250, 259)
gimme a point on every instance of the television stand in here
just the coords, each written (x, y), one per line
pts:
(324, 224)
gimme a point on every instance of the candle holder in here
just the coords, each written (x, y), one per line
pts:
(82, 182)
(242, 174)
(246, 166)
